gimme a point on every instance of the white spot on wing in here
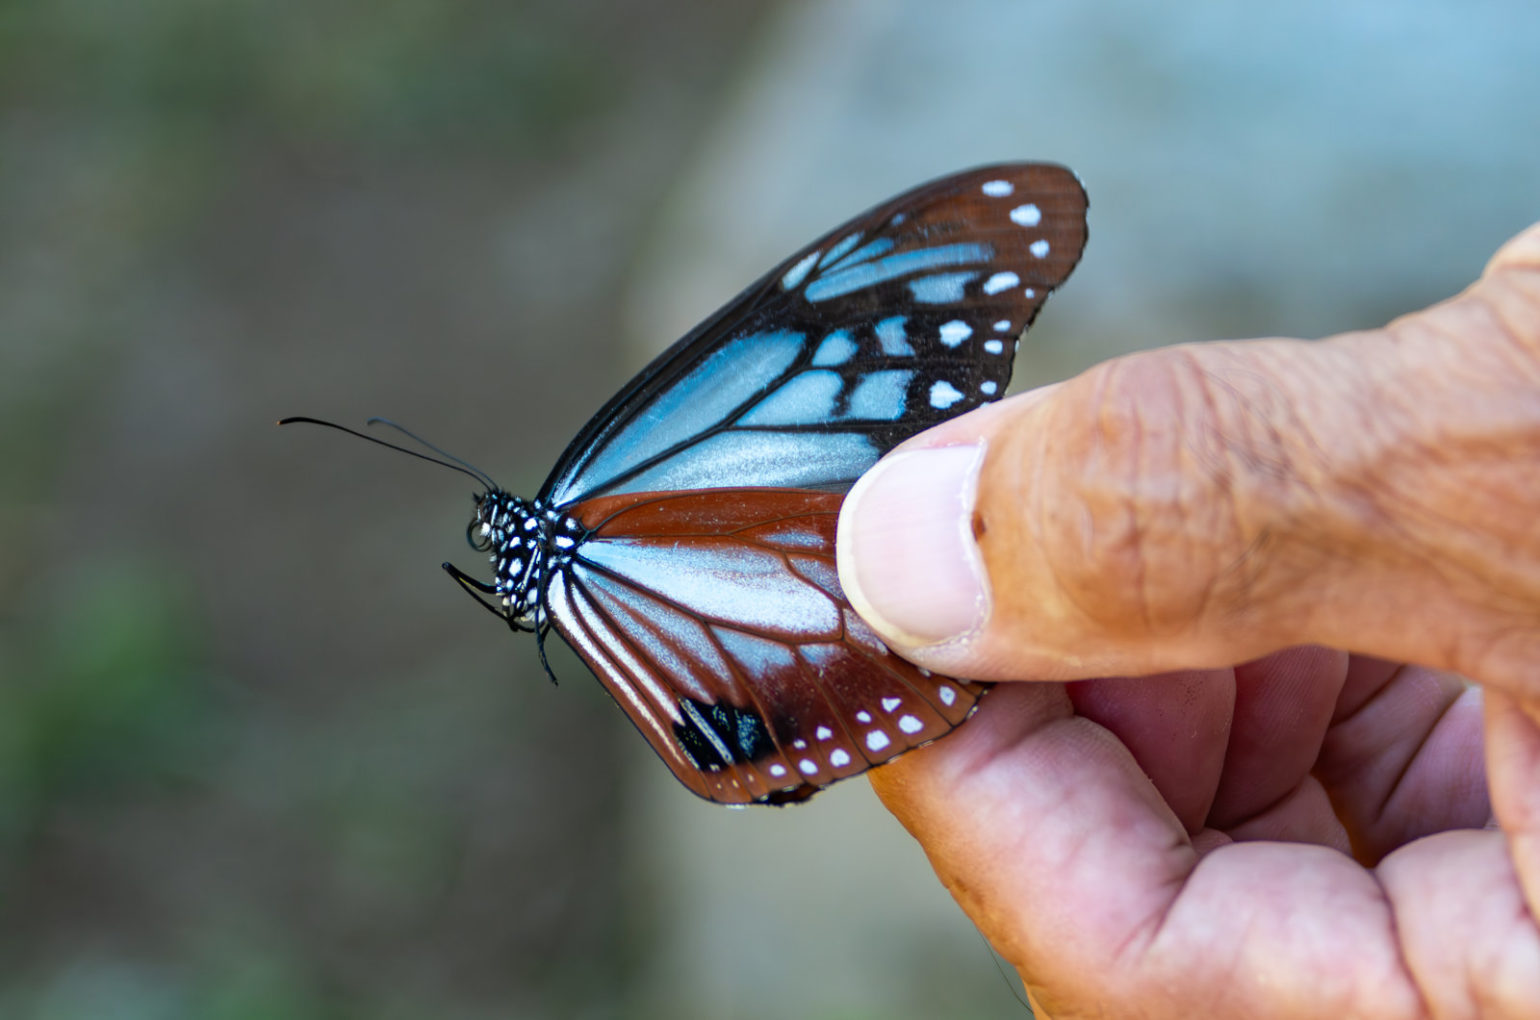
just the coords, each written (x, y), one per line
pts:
(943, 394)
(1029, 293)
(955, 332)
(909, 724)
(839, 758)
(777, 770)
(799, 744)
(997, 189)
(863, 716)
(1001, 281)
(948, 695)
(1027, 215)
(889, 704)
(988, 387)
(823, 733)
(994, 346)
(876, 740)
(1038, 248)
(808, 767)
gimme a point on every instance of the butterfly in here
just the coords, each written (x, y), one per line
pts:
(683, 545)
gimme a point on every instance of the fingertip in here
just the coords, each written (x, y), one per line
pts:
(907, 557)
(907, 550)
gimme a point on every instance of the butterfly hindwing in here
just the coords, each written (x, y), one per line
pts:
(716, 620)
(905, 316)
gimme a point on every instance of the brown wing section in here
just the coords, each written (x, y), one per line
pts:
(716, 621)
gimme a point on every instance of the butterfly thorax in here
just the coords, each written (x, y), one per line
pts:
(528, 541)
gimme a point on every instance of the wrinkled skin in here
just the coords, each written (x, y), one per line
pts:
(1312, 833)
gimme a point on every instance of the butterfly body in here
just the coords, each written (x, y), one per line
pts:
(683, 545)
(529, 542)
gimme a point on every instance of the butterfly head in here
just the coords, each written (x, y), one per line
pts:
(526, 542)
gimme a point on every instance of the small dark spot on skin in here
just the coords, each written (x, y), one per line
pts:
(979, 527)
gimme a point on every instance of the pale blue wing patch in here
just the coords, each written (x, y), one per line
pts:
(684, 650)
(714, 390)
(881, 246)
(726, 583)
(874, 332)
(881, 396)
(895, 342)
(941, 289)
(954, 332)
(835, 349)
(802, 460)
(797, 273)
(808, 396)
(838, 251)
(865, 275)
(943, 394)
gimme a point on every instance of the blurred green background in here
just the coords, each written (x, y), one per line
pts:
(258, 757)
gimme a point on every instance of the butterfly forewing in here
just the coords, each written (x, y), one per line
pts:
(905, 316)
(716, 620)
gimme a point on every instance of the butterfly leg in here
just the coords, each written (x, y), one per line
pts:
(475, 589)
(540, 633)
(543, 626)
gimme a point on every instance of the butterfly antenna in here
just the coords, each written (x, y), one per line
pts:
(448, 461)
(419, 440)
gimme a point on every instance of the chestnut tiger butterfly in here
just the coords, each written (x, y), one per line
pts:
(683, 545)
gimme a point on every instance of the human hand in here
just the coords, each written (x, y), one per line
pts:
(1301, 835)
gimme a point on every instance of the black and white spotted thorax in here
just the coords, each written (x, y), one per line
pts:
(528, 542)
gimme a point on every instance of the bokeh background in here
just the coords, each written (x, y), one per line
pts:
(258, 757)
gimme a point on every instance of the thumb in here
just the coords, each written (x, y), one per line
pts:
(1203, 505)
